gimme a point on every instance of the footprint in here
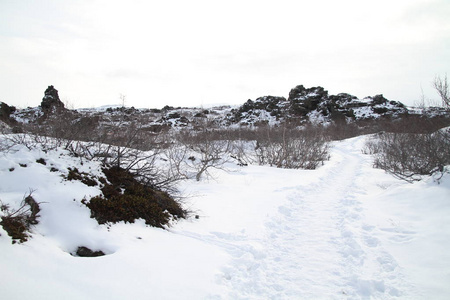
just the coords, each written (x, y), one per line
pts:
(353, 250)
(371, 241)
(285, 211)
(401, 238)
(368, 227)
(367, 287)
(387, 262)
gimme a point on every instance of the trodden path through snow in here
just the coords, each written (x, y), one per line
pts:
(343, 231)
(314, 244)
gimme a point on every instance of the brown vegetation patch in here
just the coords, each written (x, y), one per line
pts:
(17, 223)
(75, 174)
(126, 199)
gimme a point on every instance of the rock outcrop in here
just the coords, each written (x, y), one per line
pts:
(6, 111)
(316, 105)
(51, 101)
(303, 106)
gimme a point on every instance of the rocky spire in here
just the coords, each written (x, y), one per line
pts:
(51, 100)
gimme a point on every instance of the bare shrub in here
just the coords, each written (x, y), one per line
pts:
(243, 151)
(292, 148)
(124, 145)
(413, 124)
(276, 146)
(408, 156)
(176, 156)
(207, 150)
(372, 145)
(342, 130)
(441, 86)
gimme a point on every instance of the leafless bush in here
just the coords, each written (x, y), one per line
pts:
(243, 151)
(408, 156)
(176, 156)
(206, 151)
(342, 130)
(292, 148)
(441, 87)
(413, 124)
(197, 152)
(142, 164)
(372, 145)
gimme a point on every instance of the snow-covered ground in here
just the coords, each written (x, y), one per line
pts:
(343, 231)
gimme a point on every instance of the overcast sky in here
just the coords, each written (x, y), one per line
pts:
(192, 53)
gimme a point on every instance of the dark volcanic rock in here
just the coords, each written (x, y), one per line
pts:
(300, 93)
(6, 111)
(86, 252)
(51, 100)
(317, 106)
(302, 100)
(303, 106)
(273, 105)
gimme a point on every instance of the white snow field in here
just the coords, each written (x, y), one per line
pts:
(343, 231)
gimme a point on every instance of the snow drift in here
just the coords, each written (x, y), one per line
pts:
(342, 231)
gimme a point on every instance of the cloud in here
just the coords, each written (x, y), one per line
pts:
(125, 73)
(176, 52)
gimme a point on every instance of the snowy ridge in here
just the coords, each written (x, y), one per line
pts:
(304, 105)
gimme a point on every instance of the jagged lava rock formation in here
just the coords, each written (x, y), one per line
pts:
(51, 100)
(303, 106)
(315, 105)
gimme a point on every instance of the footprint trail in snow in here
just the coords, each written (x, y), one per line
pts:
(315, 245)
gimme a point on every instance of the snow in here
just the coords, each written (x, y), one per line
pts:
(316, 118)
(343, 231)
(365, 112)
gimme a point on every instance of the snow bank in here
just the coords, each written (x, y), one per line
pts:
(343, 231)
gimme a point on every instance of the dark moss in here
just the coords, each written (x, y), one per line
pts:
(126, 199)
(18, 222)
(75, 174)
(380, 110)
(16, 227)
(41, 161)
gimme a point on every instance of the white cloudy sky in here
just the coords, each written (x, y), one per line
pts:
(191, 53)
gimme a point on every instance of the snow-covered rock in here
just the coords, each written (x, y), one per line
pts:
(304, 105)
